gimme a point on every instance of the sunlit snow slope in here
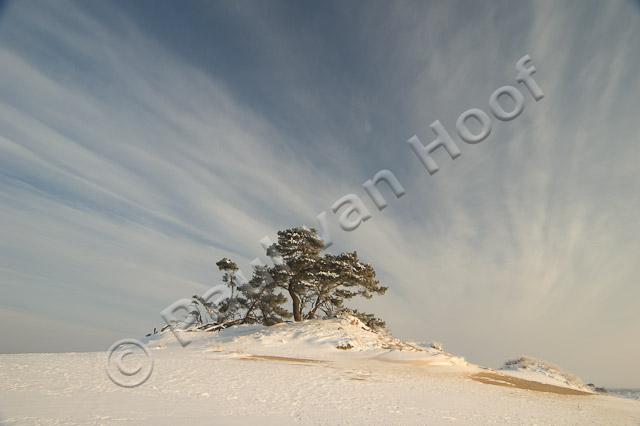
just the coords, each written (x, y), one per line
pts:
(315, 372)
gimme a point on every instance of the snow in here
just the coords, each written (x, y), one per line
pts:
(286, 374)
(542, 371)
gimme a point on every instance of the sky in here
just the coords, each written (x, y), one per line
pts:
(140, 142)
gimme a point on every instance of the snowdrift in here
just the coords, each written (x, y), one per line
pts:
(541, 371)
(339, 338)
(347, 339)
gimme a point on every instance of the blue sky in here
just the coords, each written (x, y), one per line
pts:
(142, 141)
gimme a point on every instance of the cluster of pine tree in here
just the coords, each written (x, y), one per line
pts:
(314, 283)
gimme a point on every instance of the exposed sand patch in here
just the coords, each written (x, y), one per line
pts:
(498, 379)
(289, 360)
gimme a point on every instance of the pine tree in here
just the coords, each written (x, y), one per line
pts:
(342, 277)
(299, 249)
(263, 303)
(316, 281)
(229, 308)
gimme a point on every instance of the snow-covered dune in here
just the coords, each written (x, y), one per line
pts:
(339, 339)
(315, 372)
(544, 372)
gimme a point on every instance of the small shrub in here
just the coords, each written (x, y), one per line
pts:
(370, 320)
(436, 345)
(344, 346)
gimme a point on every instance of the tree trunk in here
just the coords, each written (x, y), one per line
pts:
(312, 312)
(297, 309)
(253, 305)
